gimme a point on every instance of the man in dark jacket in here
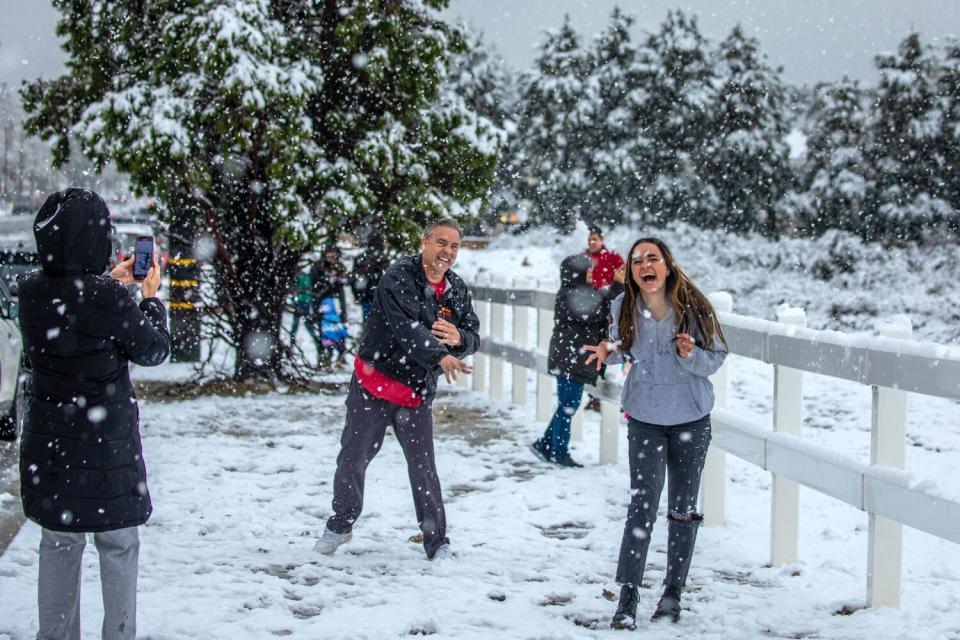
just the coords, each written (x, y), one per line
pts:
(579, 317)
(421, 325)
(81, 464)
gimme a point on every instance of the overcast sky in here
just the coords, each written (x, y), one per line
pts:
(812, 39)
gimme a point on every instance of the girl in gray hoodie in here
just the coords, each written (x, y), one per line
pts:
(668, 331)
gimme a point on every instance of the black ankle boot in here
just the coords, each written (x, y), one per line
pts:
(626, 615)
(669, 605)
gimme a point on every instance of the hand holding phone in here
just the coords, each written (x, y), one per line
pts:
(142, 257)
(123, 272)
(151, 283)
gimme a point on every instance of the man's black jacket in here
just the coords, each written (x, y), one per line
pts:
(397, 340)
(81, 464)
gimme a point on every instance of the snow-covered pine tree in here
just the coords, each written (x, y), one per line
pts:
(620, 144)
(274, 124)
(679, 102)
(837, 179)
(554, 131)
(488, 87)
(948, 91)
(908, 200)
(746, 156)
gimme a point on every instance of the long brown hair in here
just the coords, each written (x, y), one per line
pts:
(684, 296)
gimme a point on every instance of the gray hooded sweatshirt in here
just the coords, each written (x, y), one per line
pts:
(662, 388)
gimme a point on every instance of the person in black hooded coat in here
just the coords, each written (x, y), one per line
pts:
(580, 316)
(81, 464)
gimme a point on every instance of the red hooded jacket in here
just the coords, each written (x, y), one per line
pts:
(605, 262)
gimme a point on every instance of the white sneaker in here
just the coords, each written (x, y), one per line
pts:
(443, 552)
(329, 541)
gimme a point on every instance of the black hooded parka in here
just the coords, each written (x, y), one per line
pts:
(81, 463)
(580, 317)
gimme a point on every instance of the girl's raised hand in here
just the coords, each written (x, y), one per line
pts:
(598, 353)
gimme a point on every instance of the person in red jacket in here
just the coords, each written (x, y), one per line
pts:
(605, 262)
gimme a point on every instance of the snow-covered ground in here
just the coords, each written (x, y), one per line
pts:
(242, 485)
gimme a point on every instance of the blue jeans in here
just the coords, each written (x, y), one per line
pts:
(556, 439)
(366, 308)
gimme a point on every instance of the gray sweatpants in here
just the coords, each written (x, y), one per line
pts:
(366, 424)
(61, 558)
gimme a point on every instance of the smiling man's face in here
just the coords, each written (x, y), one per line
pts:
(440, 251)
(594, 242)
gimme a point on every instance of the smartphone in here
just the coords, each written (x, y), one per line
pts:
(143, 257)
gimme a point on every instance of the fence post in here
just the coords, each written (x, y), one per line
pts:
(888, 444)
(496, 334)
(479, 360)
(787, 418)
(713, 484)
(545, 383)
(609, 431)
(576, 423)
(521, 315)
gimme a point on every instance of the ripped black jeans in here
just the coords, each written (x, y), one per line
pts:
(677, 452)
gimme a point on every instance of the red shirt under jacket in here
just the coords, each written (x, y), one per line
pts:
(382, 386)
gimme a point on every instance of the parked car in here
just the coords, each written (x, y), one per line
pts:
(18, 249)
(11, 366)
(23, 205)
(139, 215)
(127, 234)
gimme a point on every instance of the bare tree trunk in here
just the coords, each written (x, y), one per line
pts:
(254, 271)
(258, 293)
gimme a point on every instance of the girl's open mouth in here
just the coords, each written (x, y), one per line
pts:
(648, 278)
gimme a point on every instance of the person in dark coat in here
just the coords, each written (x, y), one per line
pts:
(421, 325)
(329, 278)
(367, 271)
(580, 316)
(81, 464)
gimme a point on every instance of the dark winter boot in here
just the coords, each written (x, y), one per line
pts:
(626, 615)
(669, 605)
(540, 451)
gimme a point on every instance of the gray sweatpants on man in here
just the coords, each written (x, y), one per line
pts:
(61, 558)
(366, 424)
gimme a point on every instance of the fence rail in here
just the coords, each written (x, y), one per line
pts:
(919, 367)
(891, 365)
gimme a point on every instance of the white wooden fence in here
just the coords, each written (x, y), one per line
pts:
(891, 364)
